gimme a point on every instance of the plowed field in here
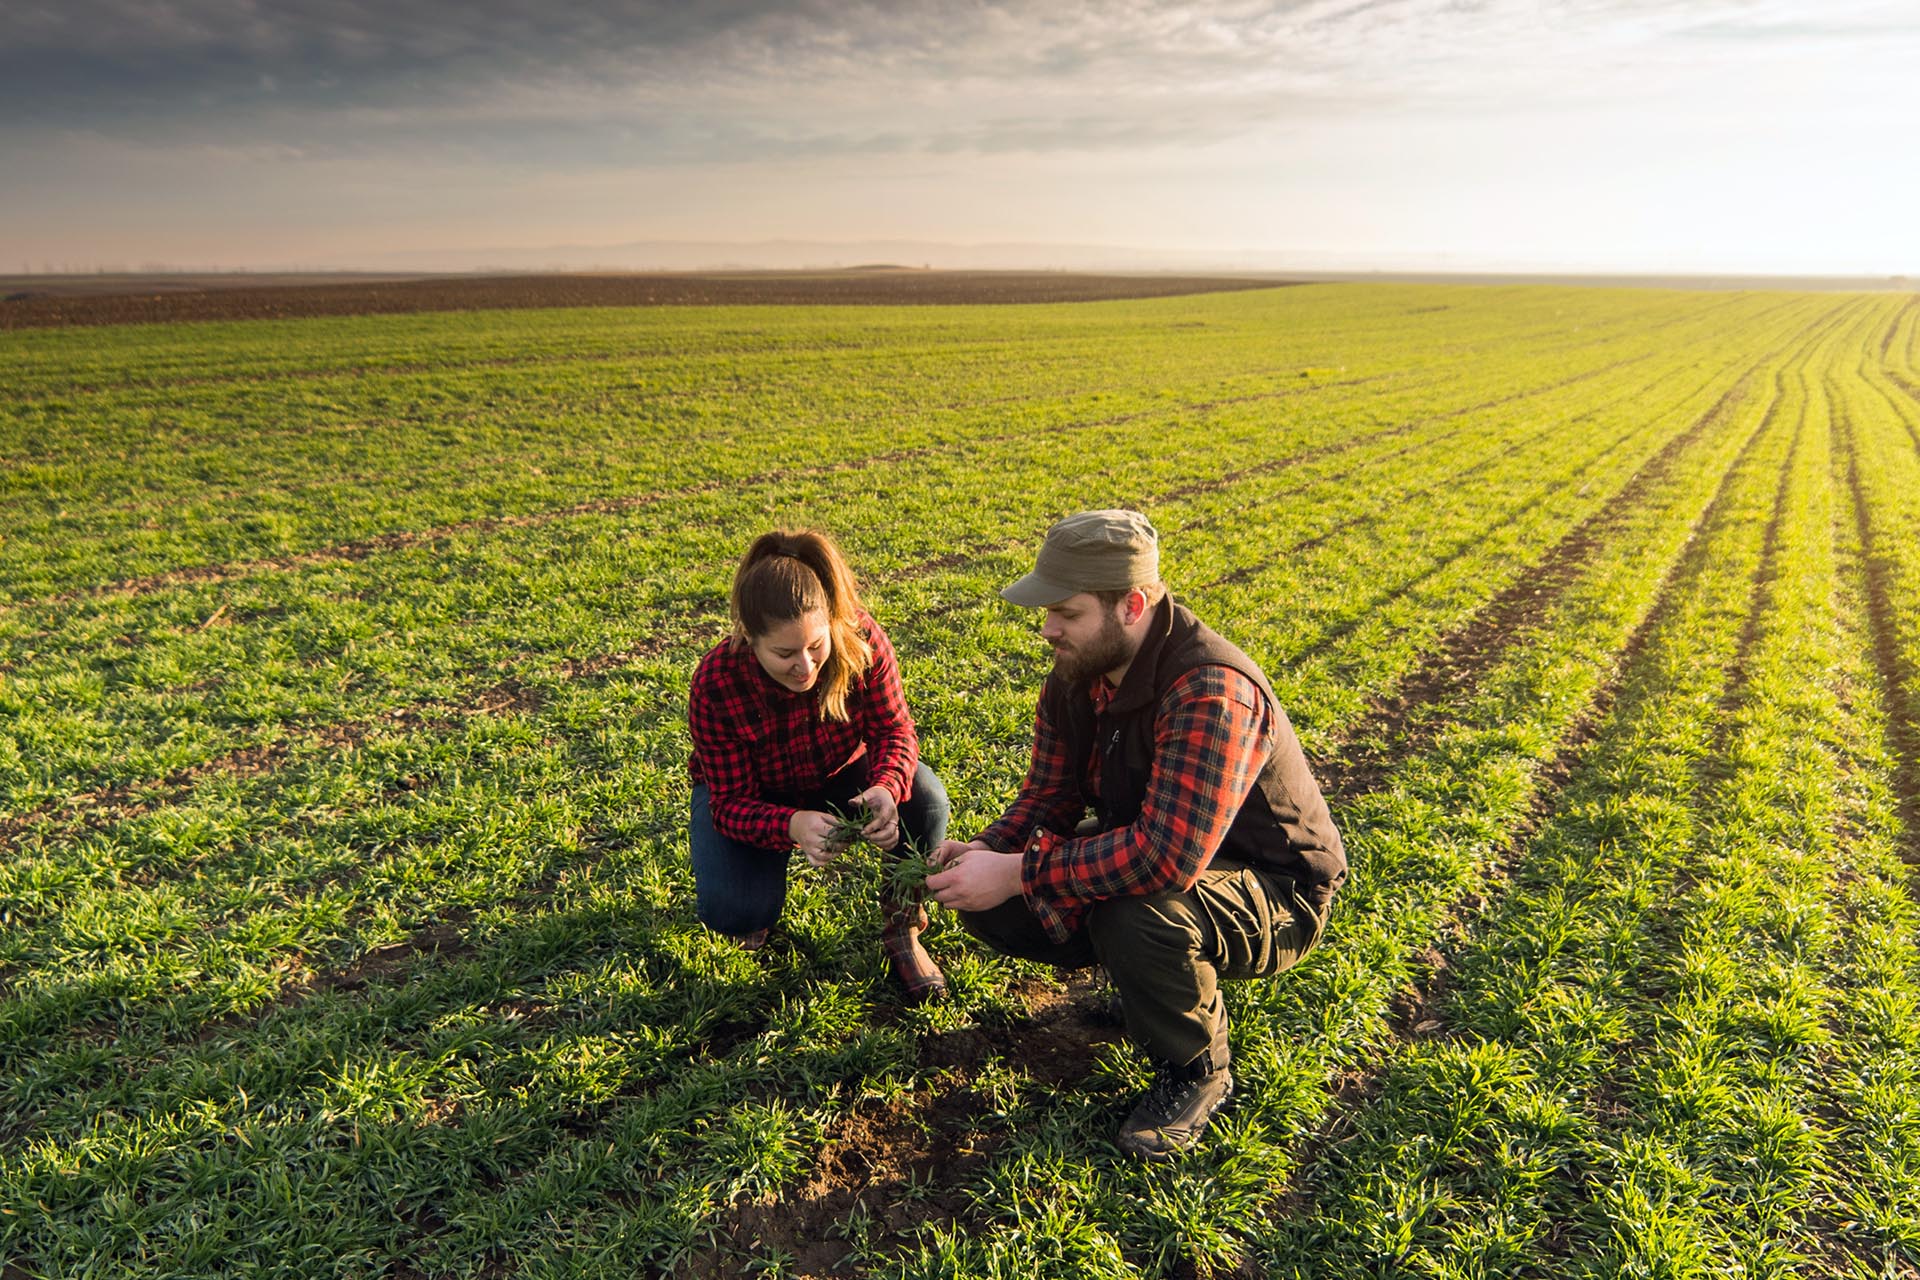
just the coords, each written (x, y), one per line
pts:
(224, 298)
(346, 925)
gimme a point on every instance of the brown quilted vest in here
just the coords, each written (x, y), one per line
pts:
(1283, 826)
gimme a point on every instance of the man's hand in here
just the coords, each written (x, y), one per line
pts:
(884, 830)
(951, 849)
(975, 878)
(812, 832)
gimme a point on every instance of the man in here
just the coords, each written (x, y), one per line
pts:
(1209, 853)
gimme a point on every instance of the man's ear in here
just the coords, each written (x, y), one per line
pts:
(1136, 605)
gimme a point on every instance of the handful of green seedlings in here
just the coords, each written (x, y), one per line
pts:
(849, 828)
(905, 869)
(907, 875)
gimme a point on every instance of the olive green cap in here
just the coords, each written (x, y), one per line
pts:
(1109, 550)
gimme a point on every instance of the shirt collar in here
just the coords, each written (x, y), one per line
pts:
(1101, 690)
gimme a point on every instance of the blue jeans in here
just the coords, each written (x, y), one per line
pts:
(739, 889)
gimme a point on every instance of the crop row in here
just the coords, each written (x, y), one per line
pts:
(156, 850)
(388, 1103)
(325, 461)
(132, 490)
(1675, 1042)
(142, 689)
(1879, 409)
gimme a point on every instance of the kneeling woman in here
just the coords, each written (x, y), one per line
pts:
(800, 710)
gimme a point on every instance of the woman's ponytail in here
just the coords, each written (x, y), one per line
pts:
(787, 574)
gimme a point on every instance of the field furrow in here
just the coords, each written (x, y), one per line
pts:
(1882, 469)
(346, 925)
(198, 662)
(1621, 1062)
(123, 883)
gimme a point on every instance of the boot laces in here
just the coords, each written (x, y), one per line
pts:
(1166, 1092)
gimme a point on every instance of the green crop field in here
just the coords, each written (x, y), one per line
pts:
(346, 925)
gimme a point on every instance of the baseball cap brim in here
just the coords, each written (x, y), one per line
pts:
(1036, 592)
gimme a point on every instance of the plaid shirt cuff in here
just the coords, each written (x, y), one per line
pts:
(1058, 918)
(1001, 837)
(755, 823)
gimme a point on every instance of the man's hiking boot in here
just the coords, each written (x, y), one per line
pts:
(918, 975)
(1171, 1117)
(753, 941)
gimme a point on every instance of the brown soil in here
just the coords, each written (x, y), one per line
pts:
(1903, 717)
(1893, 327)
(908, 1161)
(1465, 655)
(164, 301)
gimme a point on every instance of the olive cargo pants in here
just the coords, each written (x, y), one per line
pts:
(1168, 952)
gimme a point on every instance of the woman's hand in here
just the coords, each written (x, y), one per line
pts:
(812, 833)
(884, 830)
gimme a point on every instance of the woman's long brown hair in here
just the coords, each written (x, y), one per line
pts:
(791, 572)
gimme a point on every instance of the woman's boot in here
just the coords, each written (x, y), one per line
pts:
(911, 964)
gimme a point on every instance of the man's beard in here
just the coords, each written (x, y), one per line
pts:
(1103, 653)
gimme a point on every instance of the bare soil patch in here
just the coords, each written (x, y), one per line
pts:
(908, 1161)
(164, 300)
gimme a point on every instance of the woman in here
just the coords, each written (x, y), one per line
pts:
(798, 713)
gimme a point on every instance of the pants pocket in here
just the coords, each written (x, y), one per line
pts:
(1248, 920)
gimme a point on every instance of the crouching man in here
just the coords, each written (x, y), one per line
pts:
(1209, 853)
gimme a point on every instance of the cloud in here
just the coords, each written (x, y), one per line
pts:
(659, 81)
(729, 77)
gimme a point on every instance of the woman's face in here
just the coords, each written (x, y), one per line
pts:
(793, 652)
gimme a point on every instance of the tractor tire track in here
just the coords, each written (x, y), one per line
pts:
(1893, 327)
(1896, 689)
(1372, 515)
(1466, 654)
(1461, 658)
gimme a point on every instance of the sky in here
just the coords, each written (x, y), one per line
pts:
(1755, 136)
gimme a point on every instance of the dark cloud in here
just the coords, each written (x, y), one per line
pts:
(95, 60)
(625, 80)
(638, 81)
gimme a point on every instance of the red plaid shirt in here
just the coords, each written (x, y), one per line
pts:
(1212, 734)
(755, 741)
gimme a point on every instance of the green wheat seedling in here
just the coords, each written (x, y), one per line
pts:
(346, 912)
(849, 827)
(906, 874)
(903, 871)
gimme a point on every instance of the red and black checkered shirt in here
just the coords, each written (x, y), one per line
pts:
(755, 740)
(1212, 734)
